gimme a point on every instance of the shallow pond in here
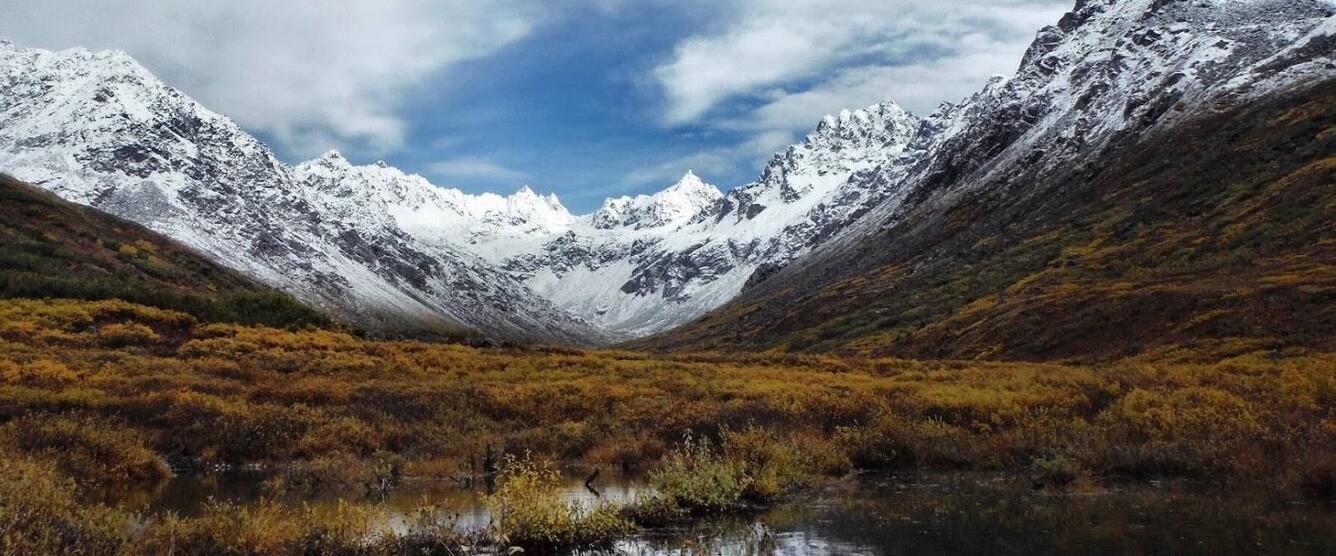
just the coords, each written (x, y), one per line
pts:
(913, 513)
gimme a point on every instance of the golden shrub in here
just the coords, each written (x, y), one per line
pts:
(530, 514)
(127, 334)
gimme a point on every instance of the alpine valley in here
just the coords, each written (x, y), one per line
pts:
(1089, 309)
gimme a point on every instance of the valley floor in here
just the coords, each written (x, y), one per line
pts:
(110, 394)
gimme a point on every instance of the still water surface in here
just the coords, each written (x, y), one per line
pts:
(914, 513)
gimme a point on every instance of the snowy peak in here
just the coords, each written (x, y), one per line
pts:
(1121, 68)
(94, 124)
(381, 193)
(816, 171)
(529, 208)
(333, 159)
(327, 171)
(688, 200)
(689, 182)
(393, 188)
(880, 123)
(368, 187)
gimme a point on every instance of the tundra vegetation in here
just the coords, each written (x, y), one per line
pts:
(104, 394)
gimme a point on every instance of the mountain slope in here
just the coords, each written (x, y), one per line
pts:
(51, 248)
(98, 129)
(1186, 194)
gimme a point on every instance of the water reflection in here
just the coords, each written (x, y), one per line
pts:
(929, 513)
(970, 513)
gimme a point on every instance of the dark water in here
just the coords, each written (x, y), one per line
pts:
(922, 513)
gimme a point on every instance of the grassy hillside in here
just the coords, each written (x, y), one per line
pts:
(1220, 236)
(50, 248)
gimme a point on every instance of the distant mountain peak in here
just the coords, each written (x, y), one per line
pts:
(525, 191)
(332, 159)
(532, 208)
(691, 184)
(677, 204)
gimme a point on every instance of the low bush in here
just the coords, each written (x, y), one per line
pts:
(40, 513)
(127, 334)
(336, 408)
(696, 477)
(270, 528)
(1194, 430)
(771, 466)
(96, 451)
(529, 513)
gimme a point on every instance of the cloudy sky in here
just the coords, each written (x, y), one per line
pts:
(587, 99)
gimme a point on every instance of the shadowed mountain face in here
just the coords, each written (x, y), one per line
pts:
(50, 248)
(1221, 231)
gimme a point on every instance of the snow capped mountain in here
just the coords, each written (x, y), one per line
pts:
(1110, 79)
(645, 264)
(434, 215)
(98, 129)
(688, 198)
(1110, 72)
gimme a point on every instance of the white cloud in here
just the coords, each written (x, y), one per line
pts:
(790, 62)
(844, 53)
(474, 168)
(312, 74)
(666, 173)
(766, 143)
(919, 86)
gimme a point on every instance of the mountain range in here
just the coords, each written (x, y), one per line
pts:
(881, 232)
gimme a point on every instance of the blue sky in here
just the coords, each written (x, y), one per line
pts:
(587, 99)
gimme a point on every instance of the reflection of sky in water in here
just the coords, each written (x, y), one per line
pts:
(929, 513)
(469, 512)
